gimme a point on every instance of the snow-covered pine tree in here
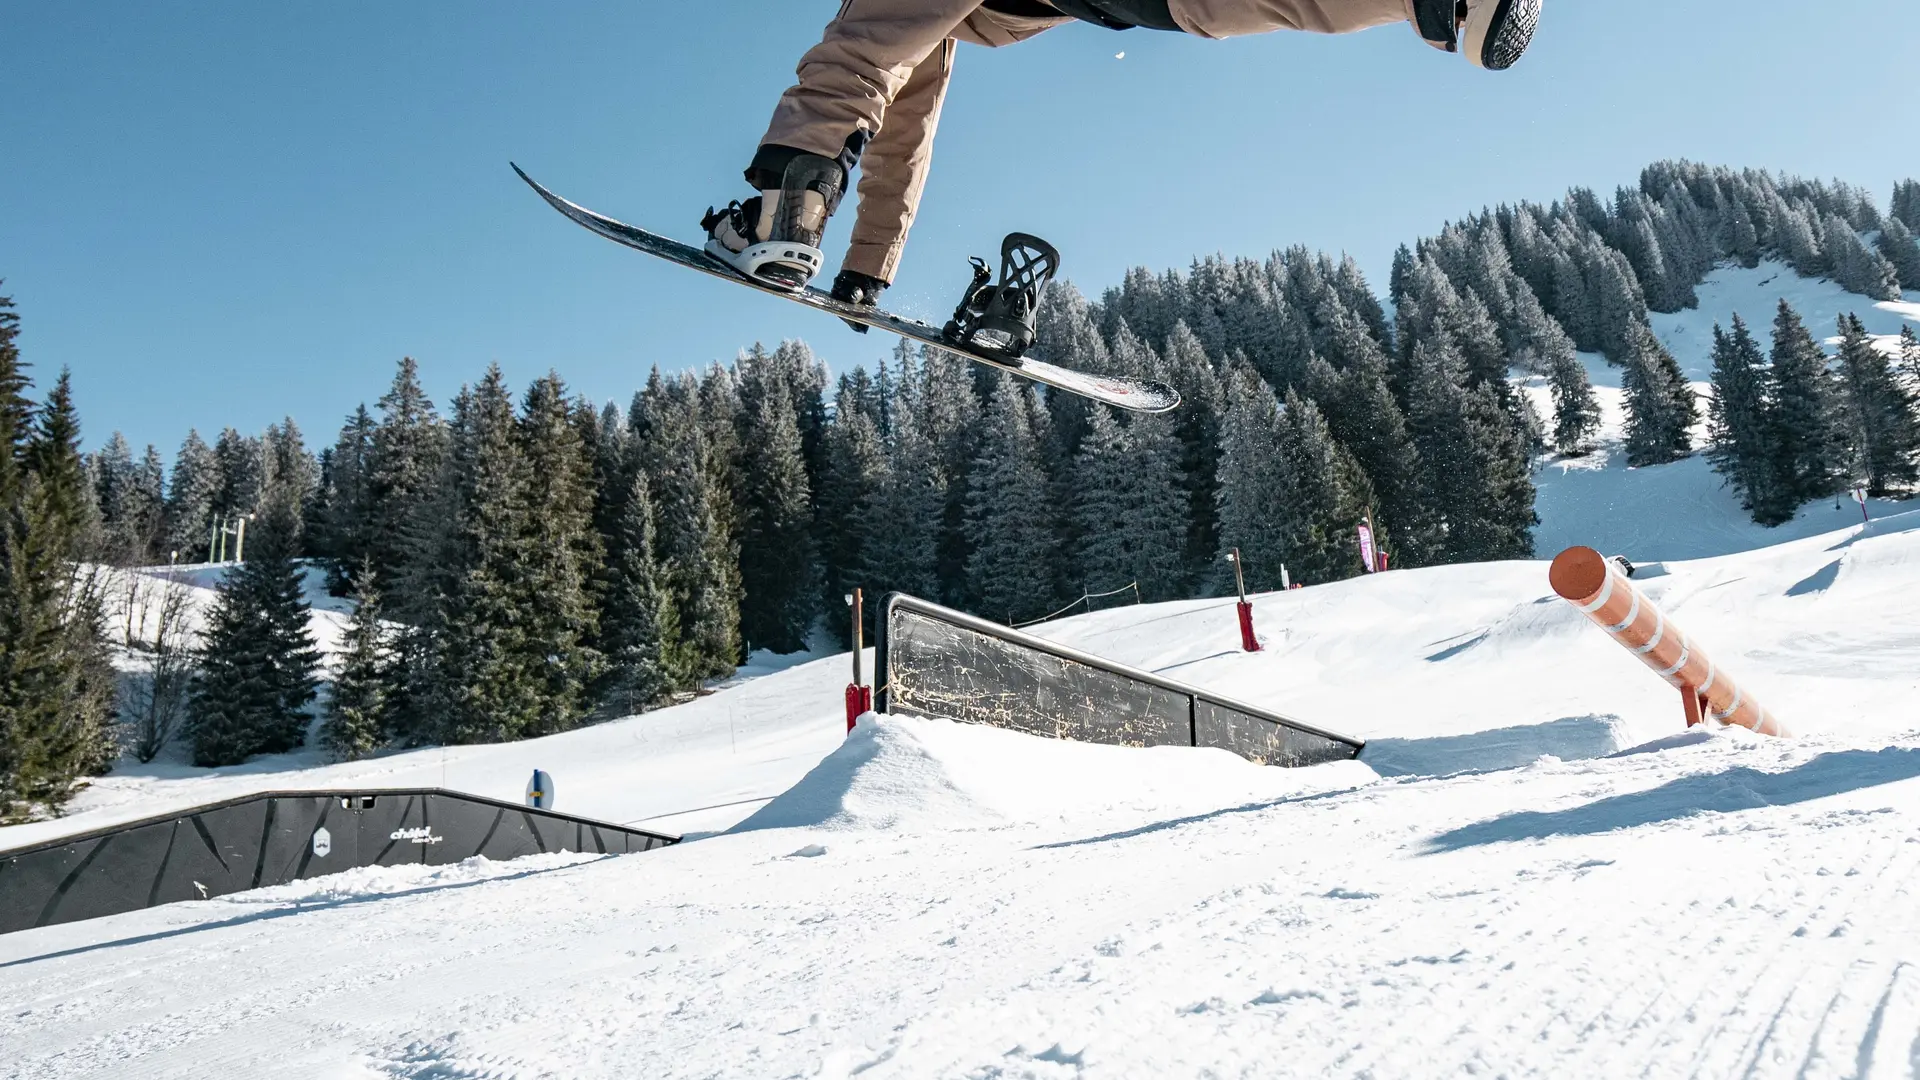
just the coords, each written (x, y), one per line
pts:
(56, 680)
(1367, 422)
(1880, 422)
(490, 682)
(1576, 411)
(1327, 496)
(851, 476)
(1906, 204)
(258, 668)
(779, 572)
(127, 514)
(1187, 368)
(1010, 568)
(1661, 406)
(1476, 501)
(1254, 494)
(291, 474)
(348, 525)
(1856, 267)
(1739, 424)
(639, 626)
(406, 513)
(1807, 463)
(695, 546)
(950, 415)
(1910, 358)
(1902, 252)
(190, 495)
(242, 471)
(900, 548)
(1128, 509)
(352, 726)
(564, 555)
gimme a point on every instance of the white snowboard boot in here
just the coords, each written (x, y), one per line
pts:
(774, 237)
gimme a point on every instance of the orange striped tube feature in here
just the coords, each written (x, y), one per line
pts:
(1590, 583)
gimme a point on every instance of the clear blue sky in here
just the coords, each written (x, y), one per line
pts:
(221, 213)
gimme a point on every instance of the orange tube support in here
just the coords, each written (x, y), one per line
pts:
(1600, 591)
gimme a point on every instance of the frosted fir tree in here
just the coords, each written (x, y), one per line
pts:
(1906, 204)
(1128, 509)
(190, 493)
(353, 723)
(1740, 425)
(488, 668)
(900, 548)
(779, 574)
(1186, 366)
(1368, 423)
(695, 544)
(563, 554)
(1880, 419)
(1476, 499)
(346, 531)
(1661, 406)
(1576, 410)
(639, 626)
(1010, 566)
(1807, 460)
(57, 682)
(1254, 493)
(126, 514)
(1902, 252)
(242, 472)
(258, 667)
(851, 478)
(404, 479)
(1327, 496)
(1856, 267)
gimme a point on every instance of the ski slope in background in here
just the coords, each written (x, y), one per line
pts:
(1682, 511)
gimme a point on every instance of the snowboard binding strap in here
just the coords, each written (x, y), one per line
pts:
(999, 319)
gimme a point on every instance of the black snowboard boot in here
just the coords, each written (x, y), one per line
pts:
(1491, 33)
(774, 237)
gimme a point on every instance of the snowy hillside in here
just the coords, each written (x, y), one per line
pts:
(1488, 891)
(1682, 511)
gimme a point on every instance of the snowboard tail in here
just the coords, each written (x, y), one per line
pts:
(1138, 395)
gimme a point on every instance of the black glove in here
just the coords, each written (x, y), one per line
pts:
(854, 287)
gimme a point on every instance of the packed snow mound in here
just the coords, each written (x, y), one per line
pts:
(915, 774)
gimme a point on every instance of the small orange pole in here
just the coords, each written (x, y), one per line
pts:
(859, 695)
(1589, 582)
(1690, 704)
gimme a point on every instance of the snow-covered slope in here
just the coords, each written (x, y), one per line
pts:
(1682, 510)
(1491, 890)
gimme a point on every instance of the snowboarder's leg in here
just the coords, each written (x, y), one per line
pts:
(895, 169)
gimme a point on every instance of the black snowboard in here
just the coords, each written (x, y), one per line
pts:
(1136, 394)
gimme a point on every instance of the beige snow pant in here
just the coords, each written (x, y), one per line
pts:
(873, 87)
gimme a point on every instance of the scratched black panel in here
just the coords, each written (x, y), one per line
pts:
(1262, 740)
(936, 668)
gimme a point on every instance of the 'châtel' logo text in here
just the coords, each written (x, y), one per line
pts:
(421, 835)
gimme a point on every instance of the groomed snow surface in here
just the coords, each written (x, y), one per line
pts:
(1534, 871)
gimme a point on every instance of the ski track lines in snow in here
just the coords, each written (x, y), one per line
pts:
(1491, 890)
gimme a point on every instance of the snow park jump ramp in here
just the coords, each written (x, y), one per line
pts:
(271, 838)
(936, 662)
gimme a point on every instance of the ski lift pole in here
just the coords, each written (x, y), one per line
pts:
(859, 695)
(1248, 641)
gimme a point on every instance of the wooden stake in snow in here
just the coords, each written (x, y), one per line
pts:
(1248, 642)
(859, 694)
(1602, 592)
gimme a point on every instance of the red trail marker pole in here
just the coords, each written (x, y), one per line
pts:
(859, 695)
(1248, 641)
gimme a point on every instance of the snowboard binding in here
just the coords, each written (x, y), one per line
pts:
(999, 319)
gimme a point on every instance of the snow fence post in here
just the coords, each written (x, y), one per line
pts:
(859, 695)
(1602, 593)
(1248, 642)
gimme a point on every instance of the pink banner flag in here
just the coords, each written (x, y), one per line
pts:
(1366, 550)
